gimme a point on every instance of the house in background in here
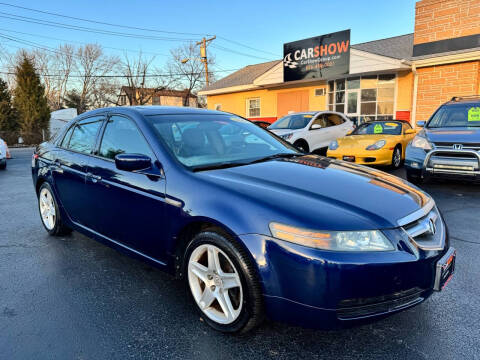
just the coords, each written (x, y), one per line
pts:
(150, 96)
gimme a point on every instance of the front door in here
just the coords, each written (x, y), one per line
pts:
(353, 105)
(127, 207)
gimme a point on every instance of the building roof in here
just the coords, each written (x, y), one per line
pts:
(244, 76)
(159, 92)
(397, 47)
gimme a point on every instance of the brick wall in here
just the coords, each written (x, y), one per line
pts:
(445, 19)
(437, 84)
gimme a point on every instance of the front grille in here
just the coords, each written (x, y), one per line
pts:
(427, 232)
(351, 309)
(450, 145)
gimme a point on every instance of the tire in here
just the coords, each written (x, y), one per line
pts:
(3, 165)
(301, 145)
(213, 262)
(397, 157)
(48, 203)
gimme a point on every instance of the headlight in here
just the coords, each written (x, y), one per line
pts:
(333, 145)
(378, 145)
(421, 142)
(370, 240)
(286, 136)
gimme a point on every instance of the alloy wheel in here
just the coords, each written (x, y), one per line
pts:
(397, 157)
(215, 284)
(47, 208)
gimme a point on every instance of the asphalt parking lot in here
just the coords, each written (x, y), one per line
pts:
(73, 298)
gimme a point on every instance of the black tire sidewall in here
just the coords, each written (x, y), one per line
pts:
(236, 257)
(397, 148)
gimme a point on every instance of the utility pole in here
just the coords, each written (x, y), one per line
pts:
(203, 54)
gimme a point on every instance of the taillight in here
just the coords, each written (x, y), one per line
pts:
(34, 158)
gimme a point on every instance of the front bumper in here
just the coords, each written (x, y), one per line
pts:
(365, 157)
(443, 163)
(323, 289)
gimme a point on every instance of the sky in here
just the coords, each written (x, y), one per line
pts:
(248, 31)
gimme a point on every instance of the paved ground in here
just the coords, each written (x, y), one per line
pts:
(75, 298)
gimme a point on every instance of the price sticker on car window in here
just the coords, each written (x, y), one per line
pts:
(307, 116)
(391, 124)
(378, 129)
(474, 114)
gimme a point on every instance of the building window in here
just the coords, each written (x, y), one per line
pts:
(218, 107)
(122, 100)
(320, 92)
(375, 99)
(156, 100)
(253, 107)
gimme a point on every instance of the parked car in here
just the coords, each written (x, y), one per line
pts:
(255, 227)
(3, 154)
(374, 143)
(449, 143)
(261, 123)
(314, 130)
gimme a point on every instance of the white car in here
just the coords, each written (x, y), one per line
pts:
(3, 155)
(313, 130)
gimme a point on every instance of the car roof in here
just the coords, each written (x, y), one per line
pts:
(153, 110)
(471, 99)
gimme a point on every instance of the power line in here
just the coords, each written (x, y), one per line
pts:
(86, 29)
(80, 42)
(102, 22)
(222, 48)
(245, 46)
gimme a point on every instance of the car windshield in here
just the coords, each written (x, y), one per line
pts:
(293, 122)
(458, 115)
(379, 127)
(201, 141)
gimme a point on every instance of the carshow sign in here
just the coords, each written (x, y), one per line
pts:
(319, 57)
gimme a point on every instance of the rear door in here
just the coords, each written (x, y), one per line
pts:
(70, 165)
(340, 127)
(127, 207)
(319, 138)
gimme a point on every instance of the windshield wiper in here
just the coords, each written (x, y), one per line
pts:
(224, 165)
(276, 156)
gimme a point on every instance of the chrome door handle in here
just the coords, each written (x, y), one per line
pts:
(94, 177)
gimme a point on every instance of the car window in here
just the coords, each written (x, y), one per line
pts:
(320, 120)
(379, 128)
(66, 138)
(335, 119)
(215, 139)
(406, 126)
(294, 122)
(84, 135)
(457, 115)
(122, 136)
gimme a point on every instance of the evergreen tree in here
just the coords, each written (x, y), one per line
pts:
(8, 116)
(30, 102)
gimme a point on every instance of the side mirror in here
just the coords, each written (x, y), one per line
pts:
(315, 127)
(349, 133)
(409, 131)
(420, 123)
(132, 162)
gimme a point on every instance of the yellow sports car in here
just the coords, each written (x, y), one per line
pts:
(374, 143)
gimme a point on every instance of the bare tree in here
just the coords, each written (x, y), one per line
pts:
(64, 61)
(92, 64)
(187, 70)
(141, 84)
(105, 93)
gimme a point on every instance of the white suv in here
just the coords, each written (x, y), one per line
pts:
(3, 155)
(314, 130)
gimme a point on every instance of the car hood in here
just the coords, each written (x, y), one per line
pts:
(460, 135)
(361, 141)
(320, 193)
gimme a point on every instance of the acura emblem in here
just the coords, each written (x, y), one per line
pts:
(457, 146)
(432, 227)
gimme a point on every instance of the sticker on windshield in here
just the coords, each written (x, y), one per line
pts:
(307, 116)
(378, 129)
(474, 114)
(391, 124)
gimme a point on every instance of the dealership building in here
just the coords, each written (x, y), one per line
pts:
(404, 77)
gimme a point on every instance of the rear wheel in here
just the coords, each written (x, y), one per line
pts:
(223, 283)
(301, 145)
(49, 212)
(3, 164)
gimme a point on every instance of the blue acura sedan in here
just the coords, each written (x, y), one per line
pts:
(255, 227)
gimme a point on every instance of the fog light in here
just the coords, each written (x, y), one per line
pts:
(415, 165)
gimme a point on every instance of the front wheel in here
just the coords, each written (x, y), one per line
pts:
(223, 283)
(49, 212)
(396, 157)
(3, 165)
